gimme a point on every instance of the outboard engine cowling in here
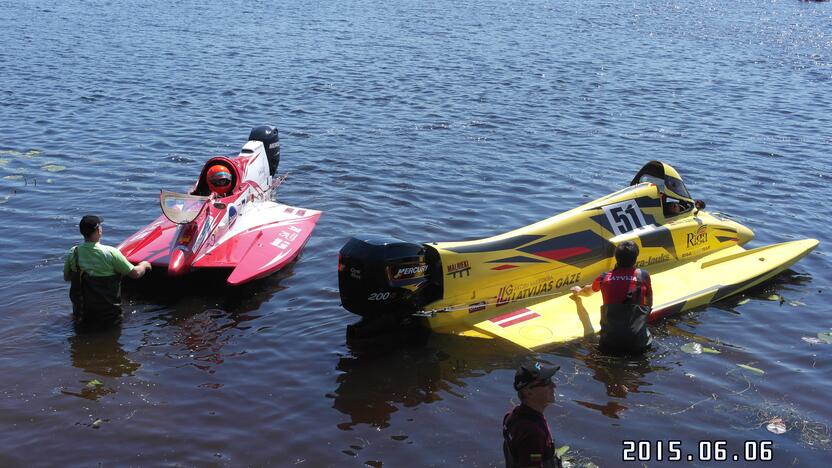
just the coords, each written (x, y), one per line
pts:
(268, 136)
(382, 275)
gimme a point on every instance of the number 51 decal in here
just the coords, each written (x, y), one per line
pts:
(625, 217)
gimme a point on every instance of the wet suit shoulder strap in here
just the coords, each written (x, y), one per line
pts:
(635, 286)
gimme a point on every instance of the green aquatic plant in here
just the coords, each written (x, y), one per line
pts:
(752, 369)
(53, 168)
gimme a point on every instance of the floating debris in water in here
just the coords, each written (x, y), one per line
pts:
(14, 177)
(689, 375)
(559, 452)
(776, 426)
(774, 297)
(705, 349)
(812, 340)
(796, 303)
(692, 348)
(28, 154)
(94, 383)
(744, 301)
(97, 423)
(752, 369)
(826, 337)
(53, 168)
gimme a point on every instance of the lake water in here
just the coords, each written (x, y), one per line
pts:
(425, 121)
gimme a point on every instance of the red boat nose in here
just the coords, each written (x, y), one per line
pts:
(178, 263)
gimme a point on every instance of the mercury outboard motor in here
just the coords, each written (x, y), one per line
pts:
(268, 136)
(382, 276)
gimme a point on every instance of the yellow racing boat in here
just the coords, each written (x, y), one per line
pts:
(516, 285)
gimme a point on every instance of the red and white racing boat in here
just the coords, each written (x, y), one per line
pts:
(229, 220)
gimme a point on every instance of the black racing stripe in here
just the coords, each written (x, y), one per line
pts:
(602, 221)
(670, 310)
(503, 244)
(659, 237)
(648, 202)
(517, 259)
(599, 247)
(726, 291)
(723, 239)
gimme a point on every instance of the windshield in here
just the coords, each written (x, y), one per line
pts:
(181, 208)
(677, 186)
(653, 180)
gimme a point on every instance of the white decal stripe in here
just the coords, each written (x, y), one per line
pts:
(514, 317)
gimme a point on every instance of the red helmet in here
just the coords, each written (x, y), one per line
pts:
(219, 179)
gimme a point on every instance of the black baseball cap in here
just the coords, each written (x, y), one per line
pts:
(532, 372)
(89, 224)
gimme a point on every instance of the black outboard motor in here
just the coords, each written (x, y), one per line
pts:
(382, 276)
(268, 136)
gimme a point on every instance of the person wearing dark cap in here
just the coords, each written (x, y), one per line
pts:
(628, 299)
(527, 440)
(95, 272)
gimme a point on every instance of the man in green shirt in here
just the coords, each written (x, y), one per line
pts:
(95, 271)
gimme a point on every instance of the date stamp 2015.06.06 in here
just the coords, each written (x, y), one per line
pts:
(705, 450)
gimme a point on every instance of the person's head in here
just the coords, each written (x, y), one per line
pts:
(534, 385)
(219, 179)
(90, 227)
(626, 254)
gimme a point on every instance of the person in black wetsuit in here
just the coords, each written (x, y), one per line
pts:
(628, 299)
(527, 439)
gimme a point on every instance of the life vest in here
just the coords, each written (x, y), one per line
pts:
(550, 460)
(624, 326)
(96, 300)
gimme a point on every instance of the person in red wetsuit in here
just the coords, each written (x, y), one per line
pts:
(628, 298)
(527, 440)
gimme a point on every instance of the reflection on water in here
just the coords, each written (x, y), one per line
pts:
(99, 353)
(203, 335)
(620, 376)
(197, 315)
(376, 379)
(373, 382)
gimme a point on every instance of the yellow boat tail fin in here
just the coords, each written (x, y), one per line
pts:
(557, 320)
(794, 249)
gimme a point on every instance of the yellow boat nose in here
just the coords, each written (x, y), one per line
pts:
(744, 234)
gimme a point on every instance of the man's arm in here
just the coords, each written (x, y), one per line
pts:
(582, 291)
(588, 289)
(648, 289)
(123, 266)
(139, 270)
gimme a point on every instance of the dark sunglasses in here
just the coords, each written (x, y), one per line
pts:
(543, 383)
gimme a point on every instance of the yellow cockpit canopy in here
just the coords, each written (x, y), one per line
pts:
(666, 178)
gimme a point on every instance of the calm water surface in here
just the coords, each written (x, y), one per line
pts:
(427, 121)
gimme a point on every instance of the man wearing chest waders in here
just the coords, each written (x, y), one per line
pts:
(95, 271)
(628, 298)
(527, 440)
